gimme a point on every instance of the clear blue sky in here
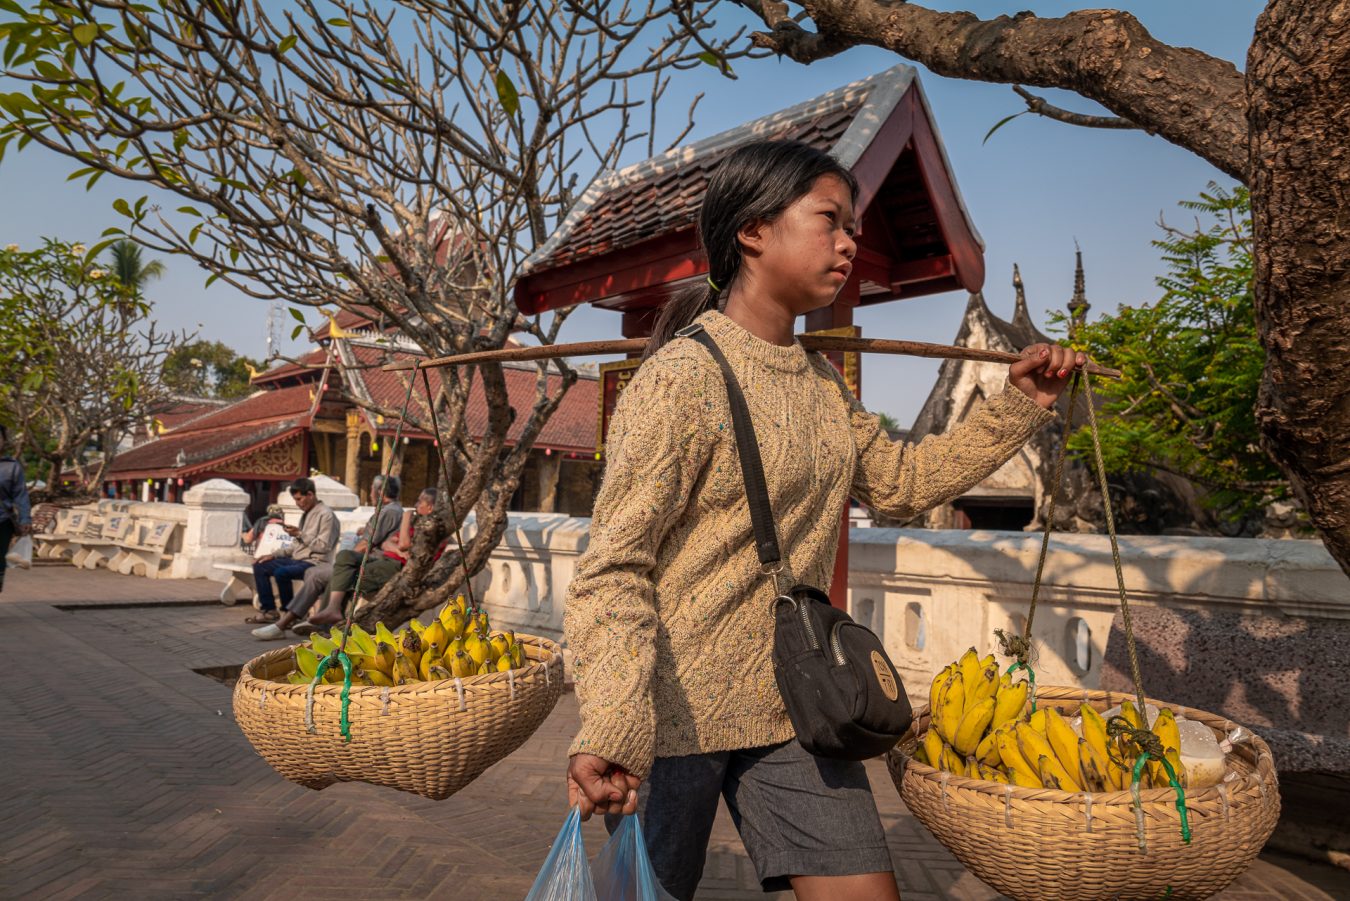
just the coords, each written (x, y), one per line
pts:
(1033, 189)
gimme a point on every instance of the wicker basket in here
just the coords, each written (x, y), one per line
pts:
(1044, 843)
(428, 738)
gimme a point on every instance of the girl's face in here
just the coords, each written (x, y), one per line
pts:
(802, 258)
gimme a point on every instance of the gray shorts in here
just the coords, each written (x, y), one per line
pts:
(798, 815)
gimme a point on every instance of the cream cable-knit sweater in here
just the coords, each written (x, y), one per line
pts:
(668, 615)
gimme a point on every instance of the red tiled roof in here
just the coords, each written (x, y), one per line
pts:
(264, 407)
(651, 199)
(193, 452)
(572, 426)
(304, 368)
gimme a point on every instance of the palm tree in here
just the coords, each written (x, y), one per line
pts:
(130, 269)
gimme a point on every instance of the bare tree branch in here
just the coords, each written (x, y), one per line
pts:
(1187, 97)
(1041, 107)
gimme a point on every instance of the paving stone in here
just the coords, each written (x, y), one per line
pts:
(124, 776)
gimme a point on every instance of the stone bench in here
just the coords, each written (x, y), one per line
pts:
(56, 544)
(147, 550)
(101, 542)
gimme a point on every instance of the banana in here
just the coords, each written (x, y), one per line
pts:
(951, 761)
(295, 677)
(360, 641)
(454, 623)
(1165, 727)
(953, 706)
(1009, 703)
(986, 751)
(306, 661)
(989, 774)
(484, 668)
(1035, 746)
(1053, 775)
(1037, 720)
(1093, 767)
(920, 753)
(517, 654)
(933, 688)
(1094, 732)
(1174, 758)
(417, 626)
(1065, 742)
(435, 634)
(478, 622)
(382, 634)
(477, 648)
(1014, 761)
(969, 666)
(1131, 714)
(431, 657)
(972, 768)
(461, 665)
(378, 678)
(384, 657)
(932, 748)
(972, 726)
(985, 685)
(410, 645)
(438, 672)
(500, 644)
(502, 664)
(405, 670)
(321, 645)
(361, 677)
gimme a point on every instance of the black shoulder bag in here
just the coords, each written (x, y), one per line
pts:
(841, 691)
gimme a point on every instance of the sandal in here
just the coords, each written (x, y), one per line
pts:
(305, 629)
(263, 618)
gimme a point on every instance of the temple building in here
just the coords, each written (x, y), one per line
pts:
(303, 420)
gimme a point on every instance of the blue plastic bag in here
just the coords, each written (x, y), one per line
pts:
(622, 871)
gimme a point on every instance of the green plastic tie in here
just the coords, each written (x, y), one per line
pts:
(1176, 784)
(344, 724)
(1031, 677)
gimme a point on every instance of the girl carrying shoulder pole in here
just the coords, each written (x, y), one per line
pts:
(669, 616)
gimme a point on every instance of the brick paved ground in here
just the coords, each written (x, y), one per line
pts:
(124, 776)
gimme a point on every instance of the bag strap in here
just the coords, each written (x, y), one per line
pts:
(756, 490)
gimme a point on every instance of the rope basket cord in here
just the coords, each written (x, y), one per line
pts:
(428, 738)
(1034, 844)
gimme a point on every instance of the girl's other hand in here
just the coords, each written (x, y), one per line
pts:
(598, 786)
(1044, 370)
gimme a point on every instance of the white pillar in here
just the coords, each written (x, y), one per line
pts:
(215, 515)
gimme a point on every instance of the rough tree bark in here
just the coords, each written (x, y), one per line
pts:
(1280, 128)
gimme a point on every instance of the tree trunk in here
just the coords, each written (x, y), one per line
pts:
(1298, 88)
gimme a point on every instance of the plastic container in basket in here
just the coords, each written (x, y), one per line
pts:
(428, 738)
(1044, 843)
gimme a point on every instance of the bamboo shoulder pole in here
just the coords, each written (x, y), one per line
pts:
(810, 342)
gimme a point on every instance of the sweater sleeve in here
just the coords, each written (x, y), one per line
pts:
(656, 448)
(903, 480)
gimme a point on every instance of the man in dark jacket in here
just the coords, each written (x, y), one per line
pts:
(16, 518)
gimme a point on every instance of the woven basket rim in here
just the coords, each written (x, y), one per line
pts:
(250, 682)
(1256, 751)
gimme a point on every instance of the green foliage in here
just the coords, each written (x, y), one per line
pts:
(209, 369)
(1192, 365)
(79, 359)
(130, 268)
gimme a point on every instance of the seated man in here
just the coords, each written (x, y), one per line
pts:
(381, 566)
(312, 541)
(381, 526)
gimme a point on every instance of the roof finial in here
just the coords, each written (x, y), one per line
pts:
(1078, 304)
(1020, 311)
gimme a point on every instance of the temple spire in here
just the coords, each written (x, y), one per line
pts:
(1021, 314)
(1078, 304)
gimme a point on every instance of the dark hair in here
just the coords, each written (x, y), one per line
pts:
(302, 486)
(392, 486)
(755, 181)
(429, 493)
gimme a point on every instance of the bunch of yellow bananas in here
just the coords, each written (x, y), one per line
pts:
(980, 728)
(456, 643)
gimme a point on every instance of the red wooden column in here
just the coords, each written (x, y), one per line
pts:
(837, 315)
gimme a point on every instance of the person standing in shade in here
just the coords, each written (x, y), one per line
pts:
(16, 517)
(382, 525)
(314, 540)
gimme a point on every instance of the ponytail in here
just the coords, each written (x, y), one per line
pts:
(691, 303)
